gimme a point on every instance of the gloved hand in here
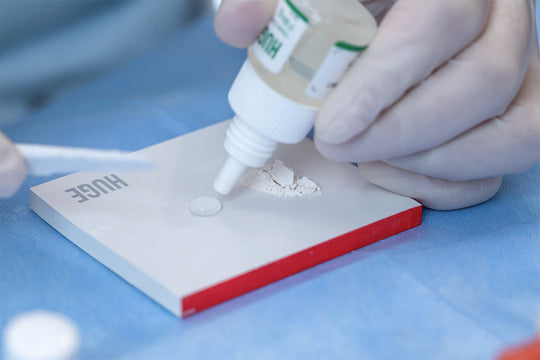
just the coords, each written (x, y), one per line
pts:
(442, 104)
(12, 168)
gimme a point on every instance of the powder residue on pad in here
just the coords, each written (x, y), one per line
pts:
(277, 179)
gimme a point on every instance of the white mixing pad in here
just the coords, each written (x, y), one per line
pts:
(139, 224)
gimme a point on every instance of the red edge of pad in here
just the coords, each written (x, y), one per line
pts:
(299, 261)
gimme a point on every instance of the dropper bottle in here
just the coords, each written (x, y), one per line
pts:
(296, 60)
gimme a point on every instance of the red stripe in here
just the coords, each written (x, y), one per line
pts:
(299, 261)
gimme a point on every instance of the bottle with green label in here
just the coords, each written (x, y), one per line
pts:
(296, 60)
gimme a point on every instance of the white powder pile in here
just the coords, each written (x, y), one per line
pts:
(277, 179)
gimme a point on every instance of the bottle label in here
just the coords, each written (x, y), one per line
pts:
(278, 40)
(337, 62)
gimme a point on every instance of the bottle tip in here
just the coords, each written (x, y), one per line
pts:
(228, 176)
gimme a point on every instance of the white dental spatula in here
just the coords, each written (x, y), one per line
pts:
(42, 160)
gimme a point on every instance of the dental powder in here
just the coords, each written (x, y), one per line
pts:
(277, 179)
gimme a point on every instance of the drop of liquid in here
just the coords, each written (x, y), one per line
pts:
(205, 206)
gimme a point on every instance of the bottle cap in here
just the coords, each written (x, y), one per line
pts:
(263, 119)
(41, 335)
(267, 111)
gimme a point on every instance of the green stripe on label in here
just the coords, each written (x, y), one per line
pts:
(346, 46)
(298, 12)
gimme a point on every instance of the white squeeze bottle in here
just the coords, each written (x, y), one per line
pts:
(302, 53)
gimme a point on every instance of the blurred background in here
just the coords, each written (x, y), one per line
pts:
(46, 47)
(49, 46)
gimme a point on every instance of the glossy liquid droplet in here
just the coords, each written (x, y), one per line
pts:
(205, 206)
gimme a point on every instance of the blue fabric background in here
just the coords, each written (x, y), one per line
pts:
(463, 285)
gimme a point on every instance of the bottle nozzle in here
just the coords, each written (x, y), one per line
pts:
(229, 174)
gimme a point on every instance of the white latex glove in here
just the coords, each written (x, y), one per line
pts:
(442, 104)
(441, 101)
(12, 168)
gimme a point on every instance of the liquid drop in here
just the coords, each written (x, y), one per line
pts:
(205, 206)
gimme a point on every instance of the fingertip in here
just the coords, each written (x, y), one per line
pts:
(342, 117)
(12, 169)
(239, 22)
(332, 129)
(344, 152)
